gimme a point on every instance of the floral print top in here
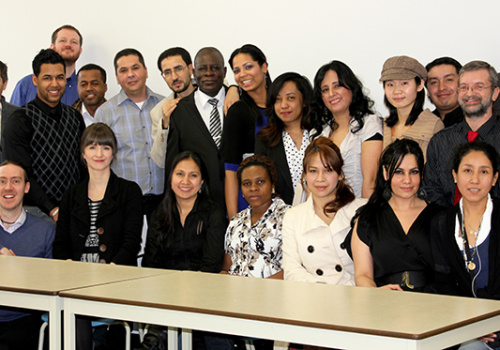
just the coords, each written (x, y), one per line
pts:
(256, 250)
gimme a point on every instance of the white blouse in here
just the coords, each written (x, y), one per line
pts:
(350, 149)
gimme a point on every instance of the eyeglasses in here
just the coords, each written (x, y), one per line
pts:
(476, 87)
(168, 72)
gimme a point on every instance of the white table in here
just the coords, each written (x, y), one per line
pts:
(316, 314)
(35, 284)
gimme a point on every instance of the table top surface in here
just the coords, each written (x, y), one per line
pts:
(47, 276)
(363, 310)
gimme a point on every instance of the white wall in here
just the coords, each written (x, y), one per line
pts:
(295, 35)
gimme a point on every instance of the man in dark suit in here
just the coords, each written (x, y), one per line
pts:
(196, 124)
(6, 108)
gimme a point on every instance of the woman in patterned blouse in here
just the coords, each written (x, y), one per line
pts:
(253, 238)
(286, 137)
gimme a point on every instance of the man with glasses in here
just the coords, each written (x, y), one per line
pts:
(477, 90)
(176, 68)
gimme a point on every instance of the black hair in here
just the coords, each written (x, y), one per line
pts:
(271, 133)
(390, 160)
(417, 108)
(443, 61)
(92, 66)
(175, 51)
(3, 72)
(128, 52)
(259, 57)
(167, 211)
(46, 56)
(361, 105)
(488, 150)
(262, 161)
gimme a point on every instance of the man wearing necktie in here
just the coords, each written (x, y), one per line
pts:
(197, 122)
(477, 90)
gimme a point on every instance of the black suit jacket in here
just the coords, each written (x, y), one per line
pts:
(451, 275)
(284, 187)
(7, 110)
(188, 132)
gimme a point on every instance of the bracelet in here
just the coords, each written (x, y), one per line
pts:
(55, 212)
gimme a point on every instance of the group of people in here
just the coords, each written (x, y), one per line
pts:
(269, 178)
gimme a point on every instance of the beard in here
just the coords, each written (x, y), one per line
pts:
(478, 111)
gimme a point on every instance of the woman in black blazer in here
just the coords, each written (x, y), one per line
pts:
(100, 219)
(465, 238)
(286, 137)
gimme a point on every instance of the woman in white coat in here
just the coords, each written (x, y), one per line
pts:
(314, 231)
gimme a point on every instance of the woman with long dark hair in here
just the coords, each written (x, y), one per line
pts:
(343, 112)
(186, 233)
(286, 137)
(244, 118)
(187, 229)
(391, 237)
(404, 95)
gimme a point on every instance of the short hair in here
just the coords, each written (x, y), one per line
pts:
(262, 161)
(101, 134)
(92, 66)
(444, 61)
(209, 50)
(16, 163)
(175, 51)
(46, 56)
(128, 52)
(488, 150)
(66, 26)
(477, 65)
(331, 158)
(3, 72)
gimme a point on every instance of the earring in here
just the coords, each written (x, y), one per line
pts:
(199, 191)
(421, 193)
(273, 191)
(387, 194)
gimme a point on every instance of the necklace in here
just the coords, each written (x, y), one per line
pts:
(468, 253)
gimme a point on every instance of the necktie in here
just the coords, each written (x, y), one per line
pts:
(215, 126)
(471, 137)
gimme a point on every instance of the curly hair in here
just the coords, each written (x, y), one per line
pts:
(262, 161)
(361, 105)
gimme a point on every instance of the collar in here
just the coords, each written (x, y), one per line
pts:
(485, 224)
(203, 98)
(54, 112)
(122, 96)
(18, 223)
(483, 130)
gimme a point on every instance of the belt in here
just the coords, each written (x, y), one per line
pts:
(408, 280)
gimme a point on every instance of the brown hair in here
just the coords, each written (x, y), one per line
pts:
(101, 134)
(330, 156)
